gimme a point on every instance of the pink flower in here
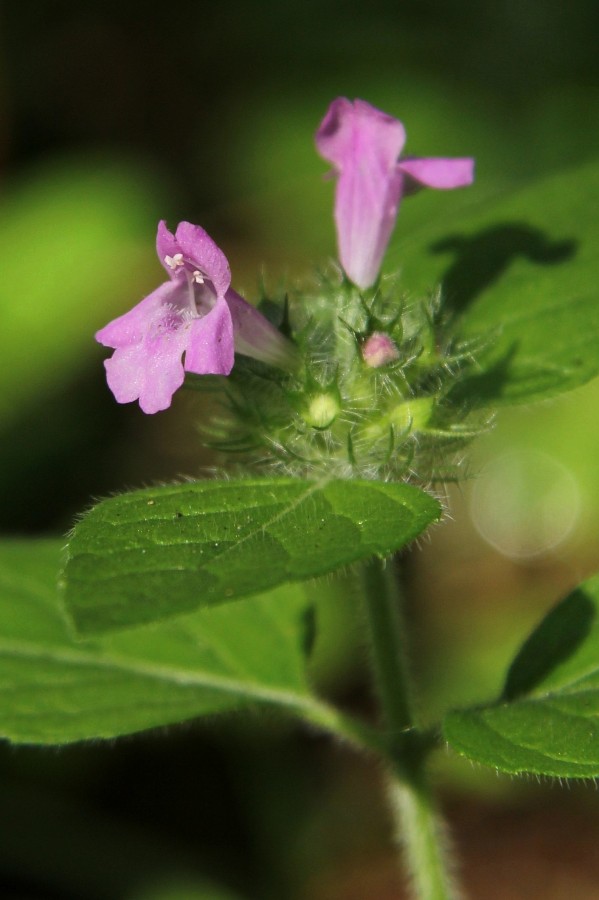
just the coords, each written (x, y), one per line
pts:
(192, 323)
(364, 145)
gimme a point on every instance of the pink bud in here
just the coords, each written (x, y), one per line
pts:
(379, 350)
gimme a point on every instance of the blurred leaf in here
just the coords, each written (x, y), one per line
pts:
(547, 721)
(75, 240)
(185, 891)
(162, 551)
(56, 690)
(524, 274)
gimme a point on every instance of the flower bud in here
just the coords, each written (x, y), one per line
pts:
(413, 414)
(321, 410)
(406, 417)
(379, 350)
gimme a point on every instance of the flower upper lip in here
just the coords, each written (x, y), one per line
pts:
(364, 145)
(197, 252)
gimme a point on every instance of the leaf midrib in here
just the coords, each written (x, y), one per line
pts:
(167, 674)
(288, 510)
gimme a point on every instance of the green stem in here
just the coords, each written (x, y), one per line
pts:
(419, 829)
(422, 835)
(386, 632)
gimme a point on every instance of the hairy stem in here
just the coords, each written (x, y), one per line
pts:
(419, 829)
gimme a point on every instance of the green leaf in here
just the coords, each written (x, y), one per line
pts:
(159, 552)
(547, 720)
(88, 224)
(54, 689)
(522, 271)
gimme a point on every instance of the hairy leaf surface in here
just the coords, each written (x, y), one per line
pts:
(520, 272)
(55, 689)
(155, 553)
(547, 720)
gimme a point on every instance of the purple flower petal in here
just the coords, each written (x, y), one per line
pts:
(210, 349)
(255, 336)
(131, 328)
(188, 316)
(438, 172)
(200, 249)
(192, 251)
(149, 369)
(350, 130)
(166, 248)
(363, 144)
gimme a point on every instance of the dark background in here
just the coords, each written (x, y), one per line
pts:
(118, 114)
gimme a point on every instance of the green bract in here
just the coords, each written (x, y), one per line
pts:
(372, 397)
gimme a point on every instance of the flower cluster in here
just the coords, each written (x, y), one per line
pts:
(361, 382)
(195, 321)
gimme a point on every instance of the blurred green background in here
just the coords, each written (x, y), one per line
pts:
(118, 114)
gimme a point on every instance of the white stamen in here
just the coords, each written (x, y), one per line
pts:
(198, 277)
(174, 261)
